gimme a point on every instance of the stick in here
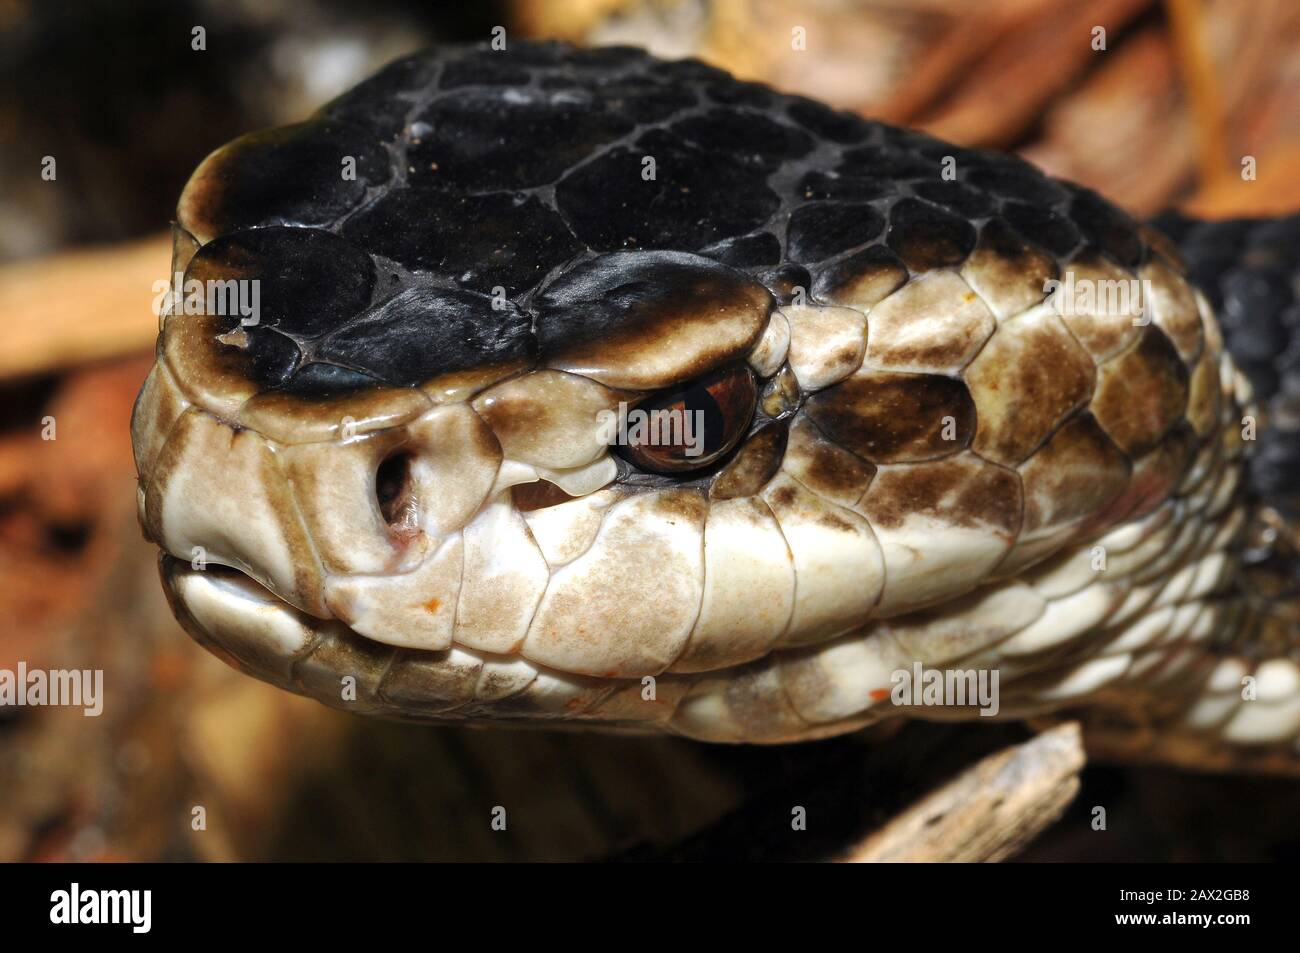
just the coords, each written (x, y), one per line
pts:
(990, 810)
(77, 307)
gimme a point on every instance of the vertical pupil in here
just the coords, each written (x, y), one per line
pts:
(703, 425)
(707, 418)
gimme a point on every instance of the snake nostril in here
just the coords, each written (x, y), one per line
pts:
(394, 490)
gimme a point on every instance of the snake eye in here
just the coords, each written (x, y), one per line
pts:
(691, 427)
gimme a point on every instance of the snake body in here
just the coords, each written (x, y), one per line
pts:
(394, 493)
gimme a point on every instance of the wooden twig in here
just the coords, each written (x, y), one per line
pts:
(945, 63)
(1147, 154)
(76, 307)
(1187, 23)
(990, 810)
(1001, 98)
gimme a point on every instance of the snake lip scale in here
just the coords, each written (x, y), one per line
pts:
(897, 449)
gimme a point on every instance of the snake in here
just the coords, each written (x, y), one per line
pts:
(575, 387)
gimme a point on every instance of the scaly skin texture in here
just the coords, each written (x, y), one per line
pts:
(944, 466)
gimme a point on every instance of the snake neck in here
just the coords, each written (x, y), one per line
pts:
(1238, 705)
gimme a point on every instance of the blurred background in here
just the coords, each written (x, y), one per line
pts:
(115, 92)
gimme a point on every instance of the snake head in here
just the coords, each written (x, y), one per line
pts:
(401, 471)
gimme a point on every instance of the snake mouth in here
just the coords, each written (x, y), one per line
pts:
(253, 630)
(258, 633)
(238, 619)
